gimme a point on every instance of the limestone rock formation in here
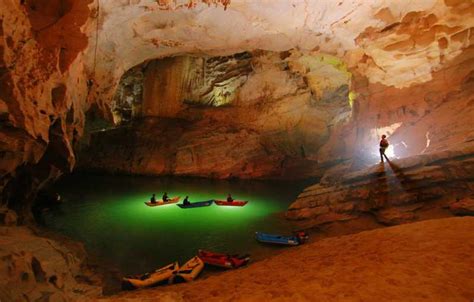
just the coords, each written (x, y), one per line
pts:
(269, 122)
(43, 93)
(306, 85)
(129, 96)
(463, 206)
(34, 268)
(394, 193)
(59, 58)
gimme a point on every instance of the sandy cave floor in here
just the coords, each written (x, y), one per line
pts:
(431, 260)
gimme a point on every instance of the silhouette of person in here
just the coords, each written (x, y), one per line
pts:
(383, 146)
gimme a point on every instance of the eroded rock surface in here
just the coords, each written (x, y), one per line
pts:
(255, 115)
(409, 69)
(34, 268)
(43, 94)
(59, 58)
(464, 206)
(393, 192)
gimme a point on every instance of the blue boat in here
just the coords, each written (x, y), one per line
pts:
(196, 204)
(297, 239)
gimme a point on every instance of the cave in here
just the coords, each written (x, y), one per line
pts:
(343, 128)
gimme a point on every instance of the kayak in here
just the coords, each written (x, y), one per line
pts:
(161, 275)
(196, 204)
(189, 271)
(235, 203)
(297, 239)
(223, 260)
(162, 203)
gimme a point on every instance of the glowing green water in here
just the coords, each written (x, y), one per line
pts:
(108, 214)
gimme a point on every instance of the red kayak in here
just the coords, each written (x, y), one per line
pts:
(235, 203)
(223, 260)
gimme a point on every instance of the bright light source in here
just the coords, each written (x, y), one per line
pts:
(390, 152)
(352, 96)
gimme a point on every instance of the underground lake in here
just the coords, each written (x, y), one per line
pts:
(108, 215)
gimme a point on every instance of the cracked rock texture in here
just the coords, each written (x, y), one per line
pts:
(273, 127)
(59, 58)
(401, 68)
(393, 193)
(35, 268)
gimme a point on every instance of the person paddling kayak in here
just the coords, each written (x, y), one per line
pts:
(186, 201)
(229, 198)
(153, 199)
(165, 197)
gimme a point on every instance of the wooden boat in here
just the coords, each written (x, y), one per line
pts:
(198, 204)
(162, 203)
(297, 239)
(235, 203)
(189, 271)
(160, 276)
(223, 260)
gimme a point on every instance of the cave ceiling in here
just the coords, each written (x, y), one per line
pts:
(396, 43)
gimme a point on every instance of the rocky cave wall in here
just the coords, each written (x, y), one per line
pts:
(259, 114)
(411, 64)
(43, 93)
(63, 56)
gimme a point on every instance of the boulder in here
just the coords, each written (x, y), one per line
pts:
(34, 268)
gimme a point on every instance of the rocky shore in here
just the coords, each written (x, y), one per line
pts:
(396, 192)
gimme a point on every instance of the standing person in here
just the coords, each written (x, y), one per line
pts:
(153, 199)
(383, 146)
(165, 197)
(229, 198)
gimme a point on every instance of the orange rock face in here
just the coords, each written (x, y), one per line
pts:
(394, 193)
(42, 92)
(250, 89)
(407, 69)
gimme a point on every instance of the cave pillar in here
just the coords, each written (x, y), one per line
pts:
(163, 91)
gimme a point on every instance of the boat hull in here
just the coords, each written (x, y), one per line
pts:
(235, 203)
(223, 260)
(189, 271)
(277, 239)
(159, 276)
(162, 203)
(193, 205)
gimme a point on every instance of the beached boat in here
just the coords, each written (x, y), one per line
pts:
(189, 271)
(160, 276)
(296, 239)
(223, 260)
